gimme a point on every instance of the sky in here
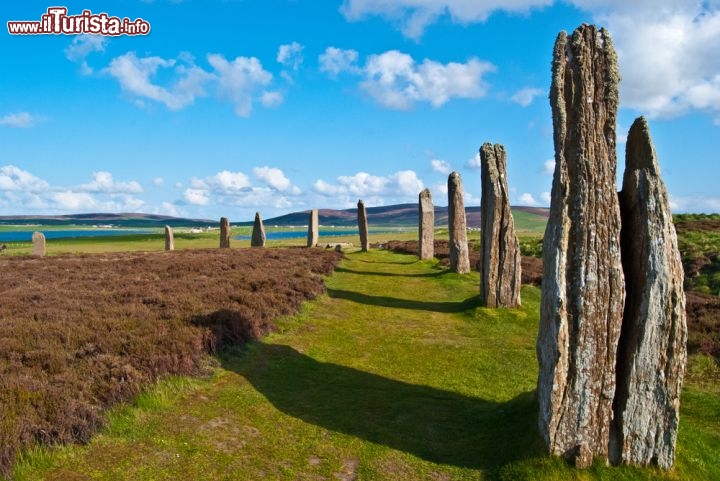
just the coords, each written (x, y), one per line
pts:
(231, 107)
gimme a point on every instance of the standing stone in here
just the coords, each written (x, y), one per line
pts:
(169, 239)
(258, 232)
(652, 350)
(313, 229)
(224, 233)
(38, 244)
(500, 276)
(459, 257)
(363, 226)
(583, 286)
(427, 225)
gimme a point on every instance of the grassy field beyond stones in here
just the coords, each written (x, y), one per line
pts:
(395, 374)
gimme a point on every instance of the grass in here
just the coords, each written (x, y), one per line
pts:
(396, 373)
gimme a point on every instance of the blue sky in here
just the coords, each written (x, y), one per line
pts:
(230, 107)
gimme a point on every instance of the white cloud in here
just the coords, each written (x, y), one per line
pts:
(401, 186)
(69, 200)
(440, 166)
(239, 80)
(135, 74)
(276, 179)
(82, 46)
(15, 179)
(196, 196)
(474, 162)
(271, 99)
(335, 61)
(158, 181)
(168, 208)
(226, 182)
(667, 49)
(548, 167)
(290, 55)
(21, 120)
(524, 97)
(415, 15)
(394, 80)
(527, 199)
(695, 204)
(104, 182)
(545, 197)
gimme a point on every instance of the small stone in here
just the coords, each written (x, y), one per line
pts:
(363, 226)
(313, 229)
(426, 227)
(169, 239)
(39, 248)
(459, 256)
(258, 232)
(224, 233)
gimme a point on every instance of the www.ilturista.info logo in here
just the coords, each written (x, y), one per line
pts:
(57, 22)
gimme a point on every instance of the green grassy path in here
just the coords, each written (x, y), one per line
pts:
(396, 374)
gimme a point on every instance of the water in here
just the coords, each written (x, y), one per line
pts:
(298, 234)
(26, 235)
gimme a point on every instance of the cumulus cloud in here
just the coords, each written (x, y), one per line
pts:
(524, 97)
(290, 55)
(545, 198)
(527, 199)
(336, 60)
(668, 61)
(415, 15)
(21, 120)
(240, 80)
(158, 181)
(69, 200)
(104, 182)
(548, 167)
(694, 204)
(474, 162)
(82, 46)
(400, 186)
(196, 196)
(396, 81)
(440, 166)
(275, 179)
(13, 178)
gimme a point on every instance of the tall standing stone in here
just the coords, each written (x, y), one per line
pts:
(38, 244)
(313, 229)
(652, 350)
(363, 226)
(169, 239)
(583, 287)
(258, 232)
(500, 263)
(224, 233)
(426, 235)
(459, 256)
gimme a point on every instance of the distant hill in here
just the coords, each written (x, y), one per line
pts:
(402, 215)
(117, 220)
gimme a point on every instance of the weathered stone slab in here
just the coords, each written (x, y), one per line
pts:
(258, 233)
(652, 352)
(459, 256)
(500, 263)
(426, 226)
(313, 229)
(39, 248)
(224, 233)
(363, 226)
(169, 239)
(583, 286)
